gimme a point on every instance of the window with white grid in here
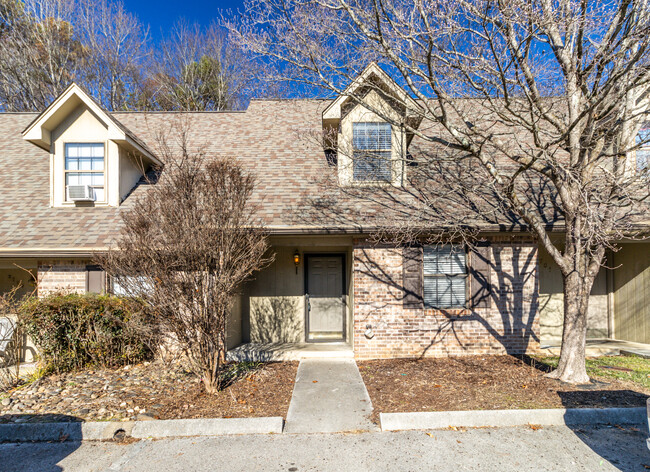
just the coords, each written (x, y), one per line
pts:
(445, 277)
(372, 144)
(84, 165)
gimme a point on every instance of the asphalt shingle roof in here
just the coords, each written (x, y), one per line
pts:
(280, 142)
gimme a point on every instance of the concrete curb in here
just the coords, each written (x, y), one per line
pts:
(71, 431)
(487, 418)
(101, 430)
(206, 427)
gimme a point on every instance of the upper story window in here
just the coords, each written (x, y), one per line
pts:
(643, 153)
(372, 146)
(84, 165)
(445, 277)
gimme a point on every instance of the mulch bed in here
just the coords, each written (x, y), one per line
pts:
(483, 383)
(149, 391)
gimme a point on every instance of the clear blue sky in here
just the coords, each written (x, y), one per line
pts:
(162, 14)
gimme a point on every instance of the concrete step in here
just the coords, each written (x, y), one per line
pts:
(276, 352)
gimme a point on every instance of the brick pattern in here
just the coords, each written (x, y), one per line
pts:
(509, 326)
(61, 276)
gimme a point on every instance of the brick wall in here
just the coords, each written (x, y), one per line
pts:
(509, 325)
(61, 276)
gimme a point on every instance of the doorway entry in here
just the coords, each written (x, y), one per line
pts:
(325, 308)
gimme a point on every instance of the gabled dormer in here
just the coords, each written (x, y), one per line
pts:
(94, 159)
(367, 127)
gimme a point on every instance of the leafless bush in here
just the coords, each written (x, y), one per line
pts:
(186, 248)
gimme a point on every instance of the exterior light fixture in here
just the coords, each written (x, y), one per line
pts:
(296, 259)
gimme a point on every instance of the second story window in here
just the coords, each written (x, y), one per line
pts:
(445, 277)
(643, 153)
(372, 152)
(84, 166)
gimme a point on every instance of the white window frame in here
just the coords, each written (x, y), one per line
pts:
(434, 274)
(66, 171)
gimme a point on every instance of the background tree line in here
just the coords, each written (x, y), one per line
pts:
(47, 44)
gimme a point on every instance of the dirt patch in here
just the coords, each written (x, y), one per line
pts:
(150, 391)
(484, 383)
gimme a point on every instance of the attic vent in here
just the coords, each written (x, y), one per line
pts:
(80, 193)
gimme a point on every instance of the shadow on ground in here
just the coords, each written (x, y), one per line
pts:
(610, 447)
(32, 459)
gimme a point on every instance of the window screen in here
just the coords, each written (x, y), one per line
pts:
(84, 165)
(445, 277)
(372, 151)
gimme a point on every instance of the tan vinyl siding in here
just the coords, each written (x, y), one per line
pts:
(632, 293)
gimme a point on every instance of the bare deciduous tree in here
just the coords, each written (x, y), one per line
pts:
(117, 46)
(186, 247)
(198, 69)
(538, 102)
(39, 52)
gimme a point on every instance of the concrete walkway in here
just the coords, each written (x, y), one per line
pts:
(603, 347)
(329, 396)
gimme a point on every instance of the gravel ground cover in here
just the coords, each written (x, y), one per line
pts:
(150, 391)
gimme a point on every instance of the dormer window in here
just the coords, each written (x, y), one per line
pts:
(643, 152)
(94, 159)
(372, 147)
(84, 167)
(368, 126)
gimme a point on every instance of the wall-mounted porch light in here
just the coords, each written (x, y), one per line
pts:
(296, 259)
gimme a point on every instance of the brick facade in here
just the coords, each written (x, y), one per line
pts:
(61, 276)
(509, 326)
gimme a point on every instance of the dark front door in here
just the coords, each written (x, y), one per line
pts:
(325, 298)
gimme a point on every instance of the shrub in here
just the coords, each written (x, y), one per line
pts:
(77, 330)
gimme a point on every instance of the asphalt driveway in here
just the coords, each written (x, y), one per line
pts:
(503, 449)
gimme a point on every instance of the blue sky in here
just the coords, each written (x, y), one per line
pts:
(162, 14)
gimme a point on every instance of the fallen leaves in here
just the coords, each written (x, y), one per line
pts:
(458, 428)
(535, 427)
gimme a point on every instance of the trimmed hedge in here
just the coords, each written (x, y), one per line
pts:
(77, 330)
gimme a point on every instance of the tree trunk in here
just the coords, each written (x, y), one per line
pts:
(571, 367)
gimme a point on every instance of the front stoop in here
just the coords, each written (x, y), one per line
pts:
(329, 397)
(276, 352)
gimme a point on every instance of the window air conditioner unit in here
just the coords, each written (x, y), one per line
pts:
(80, 193)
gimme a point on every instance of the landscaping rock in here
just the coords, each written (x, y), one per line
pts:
(152, 391)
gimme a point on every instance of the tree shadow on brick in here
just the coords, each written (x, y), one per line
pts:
(507, 326)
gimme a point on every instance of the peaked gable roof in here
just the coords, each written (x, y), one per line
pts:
(39, 131)
(333, 111)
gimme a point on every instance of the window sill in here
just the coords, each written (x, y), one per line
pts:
(449, 312)
(372, 183)
(81, 204)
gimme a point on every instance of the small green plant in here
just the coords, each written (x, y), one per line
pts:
(76, 330)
